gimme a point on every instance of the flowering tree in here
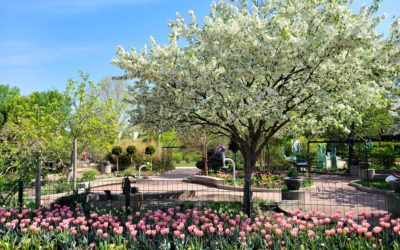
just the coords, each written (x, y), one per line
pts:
(249, 71)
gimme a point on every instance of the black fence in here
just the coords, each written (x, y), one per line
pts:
(327, 193)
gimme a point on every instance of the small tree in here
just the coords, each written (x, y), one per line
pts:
(150, 150)
(131, 151)
(117, 150)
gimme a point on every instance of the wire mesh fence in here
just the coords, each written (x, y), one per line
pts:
(327, 194)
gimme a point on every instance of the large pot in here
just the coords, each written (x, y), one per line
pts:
(293, 183)
(395, 185)
(367, 174)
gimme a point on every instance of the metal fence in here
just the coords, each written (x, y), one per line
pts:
(328, 194)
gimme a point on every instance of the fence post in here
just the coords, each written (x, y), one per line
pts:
(308, 160)
(126, 189)
(20, 194)
(38, 194)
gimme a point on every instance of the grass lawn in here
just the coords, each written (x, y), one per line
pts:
(379, 184)
(185, 164)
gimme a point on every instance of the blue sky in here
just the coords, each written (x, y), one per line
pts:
(45, 42)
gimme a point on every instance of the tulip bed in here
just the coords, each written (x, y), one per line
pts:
(191, 228)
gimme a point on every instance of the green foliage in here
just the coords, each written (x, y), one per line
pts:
(380, 184)
(90, 175)
(384, 154)
(293, 173)
(128, 172)
(93, 121)
(6, 95)
(177, 157)
(131, 150)
(54, 187)
(150, 150)
(116, 150)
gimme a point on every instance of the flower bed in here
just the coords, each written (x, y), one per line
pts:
(379, 184)
(260, 181)
(176, 228)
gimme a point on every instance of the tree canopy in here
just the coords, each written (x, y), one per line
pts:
(251, 69)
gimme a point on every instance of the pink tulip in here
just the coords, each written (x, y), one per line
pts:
(134, 233)
(199, 233)
(164, 231)
(377, 230)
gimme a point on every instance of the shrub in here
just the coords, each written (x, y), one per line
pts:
(117, 150)
(90, 175)
(177, 157)
(214, 161)
(150, 150)
(384, 155)
(188, 158)
(128, 172)
(131, 150)
(293, 173)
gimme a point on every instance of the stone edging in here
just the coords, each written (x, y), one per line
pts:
(328, 173)
(216, 182)
(366, 189)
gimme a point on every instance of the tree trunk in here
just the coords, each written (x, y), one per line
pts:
(205, 150)
(131, 161)
(38, 193)
(117, 163)
(250, 160)
(74, 163)
(268, 159)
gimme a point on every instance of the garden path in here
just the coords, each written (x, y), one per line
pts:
(330, 192)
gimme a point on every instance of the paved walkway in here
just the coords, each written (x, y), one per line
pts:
(329, 193)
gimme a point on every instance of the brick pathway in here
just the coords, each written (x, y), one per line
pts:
(329, 193)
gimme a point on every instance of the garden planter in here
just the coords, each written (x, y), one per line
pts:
(355, 170)
(395, 185)
(393, 203)
(298, 195)
(293, 183)
(367, 174)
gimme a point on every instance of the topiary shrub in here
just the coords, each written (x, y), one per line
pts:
(131, 152)
(117, 150)
(150, 150)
